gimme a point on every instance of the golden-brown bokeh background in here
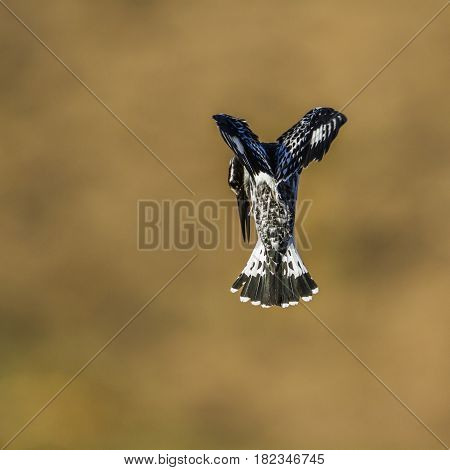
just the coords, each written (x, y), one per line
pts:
(198, 369)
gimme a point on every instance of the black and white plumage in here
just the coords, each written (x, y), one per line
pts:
(264, 177)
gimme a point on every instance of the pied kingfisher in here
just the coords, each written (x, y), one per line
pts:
(264, 177)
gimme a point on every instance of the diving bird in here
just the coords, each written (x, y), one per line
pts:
(264, 177)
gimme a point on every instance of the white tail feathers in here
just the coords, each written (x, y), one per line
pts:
(284, 286)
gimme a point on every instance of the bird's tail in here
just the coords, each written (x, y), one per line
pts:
(283, 286)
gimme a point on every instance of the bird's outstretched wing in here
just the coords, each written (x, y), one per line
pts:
(244, 143)
(238, 182)
(307, 140)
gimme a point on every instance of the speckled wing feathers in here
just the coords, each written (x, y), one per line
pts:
(307, 140)
(244, 143)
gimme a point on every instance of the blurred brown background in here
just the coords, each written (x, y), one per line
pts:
(199, 369)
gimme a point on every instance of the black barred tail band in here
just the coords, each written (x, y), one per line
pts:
(289, 283)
